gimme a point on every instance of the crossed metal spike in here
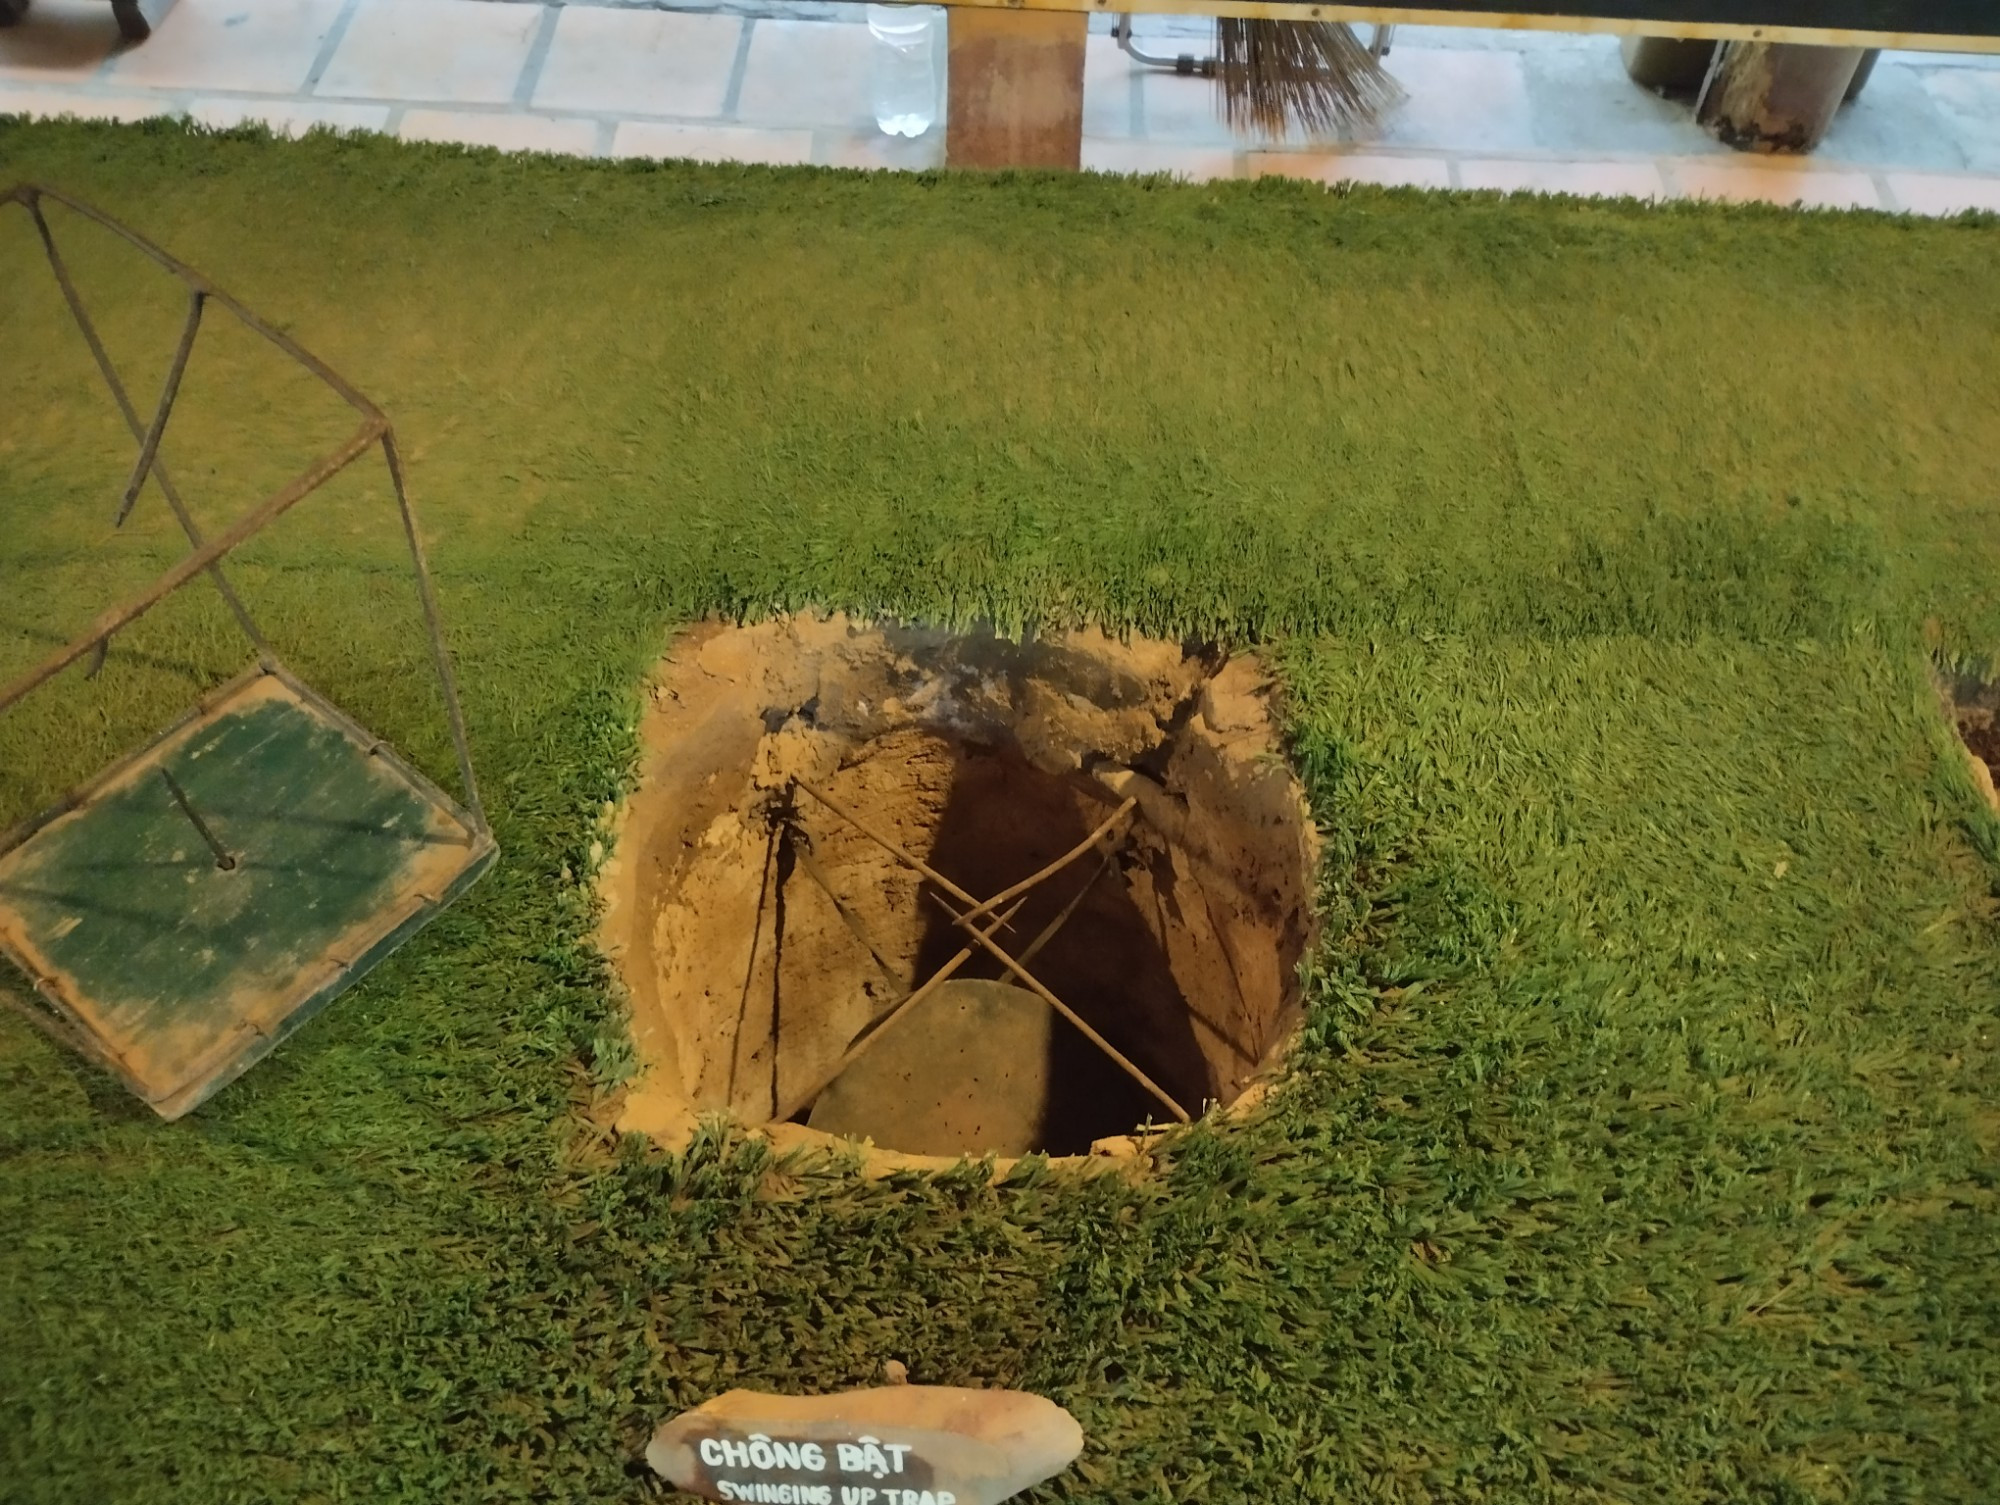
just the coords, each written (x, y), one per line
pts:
(206, 554)
(148, 436)
(979, 938)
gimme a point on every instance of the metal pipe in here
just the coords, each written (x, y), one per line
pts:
(939, 879)
(876, 1028)
(1188, 64)
(1103, 829)
(224, 858)
(434, 628)
(168, 392)
(1035, 986)
(847, 916)
(32, 194)
(119, 617)
(886, 844)
(131, 414)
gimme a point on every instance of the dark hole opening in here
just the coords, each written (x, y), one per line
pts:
(1981, 735)
(1003, 820)
(1974, 705)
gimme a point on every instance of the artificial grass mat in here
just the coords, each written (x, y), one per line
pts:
(1641, 1146)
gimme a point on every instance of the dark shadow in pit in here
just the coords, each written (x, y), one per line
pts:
(1975, 712)
(1003, 820)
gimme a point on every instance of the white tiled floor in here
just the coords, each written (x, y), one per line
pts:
(1513, 111)
(1971, 101)
(639, 62)
(1172, 109)
(807, 73)
(126, 107)
(1461, 101)
(267, 47)
(1578, 104)
(1110, 90)
(1929, 193)
(463, 51)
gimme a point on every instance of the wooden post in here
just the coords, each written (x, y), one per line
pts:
(1015, 96)
(1775, 96)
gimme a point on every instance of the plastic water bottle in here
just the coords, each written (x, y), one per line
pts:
(906, 81)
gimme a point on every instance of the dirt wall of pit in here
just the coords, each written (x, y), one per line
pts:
(758, 934)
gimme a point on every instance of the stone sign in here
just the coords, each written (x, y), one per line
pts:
(898, 1445)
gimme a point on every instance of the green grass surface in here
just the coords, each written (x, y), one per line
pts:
(1642, 1145)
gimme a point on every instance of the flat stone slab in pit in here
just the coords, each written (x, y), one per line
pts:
(965, 1072)
(898, 1445)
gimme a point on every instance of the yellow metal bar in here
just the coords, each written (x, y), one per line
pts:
(1391, 15)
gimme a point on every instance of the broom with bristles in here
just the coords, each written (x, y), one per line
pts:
(1315, 77)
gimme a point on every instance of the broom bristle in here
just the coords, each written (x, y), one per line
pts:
(1312, 76)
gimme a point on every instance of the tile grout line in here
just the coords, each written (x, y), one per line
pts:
(538, 54)
(323, 59)
(738, 66)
